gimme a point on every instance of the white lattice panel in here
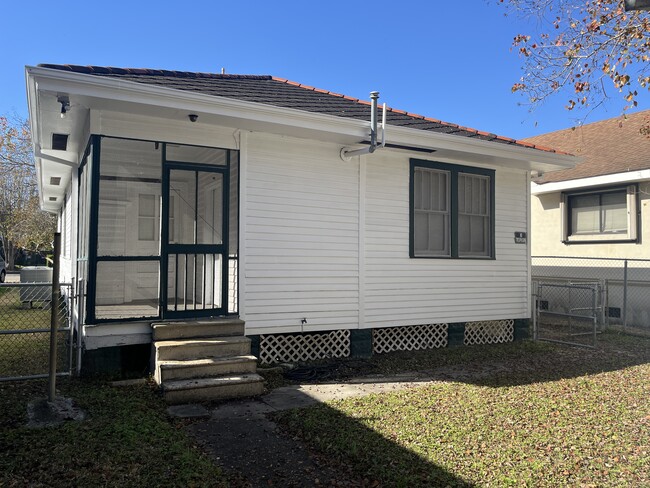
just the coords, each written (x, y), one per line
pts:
(409, 338)
(304, 347)
(489, 332)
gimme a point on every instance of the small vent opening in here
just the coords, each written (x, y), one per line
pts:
(60, 142)
(55, 180)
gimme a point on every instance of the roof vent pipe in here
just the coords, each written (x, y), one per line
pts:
(347, 153)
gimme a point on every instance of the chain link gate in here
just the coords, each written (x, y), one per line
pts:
(568, 313)
(25, 315)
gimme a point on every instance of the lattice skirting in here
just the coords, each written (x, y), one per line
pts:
(276, 348)
(489, 332)
(409, 338)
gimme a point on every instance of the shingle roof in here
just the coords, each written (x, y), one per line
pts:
(283, 93)
(607, 147)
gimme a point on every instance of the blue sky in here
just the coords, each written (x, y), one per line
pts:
(448, 60)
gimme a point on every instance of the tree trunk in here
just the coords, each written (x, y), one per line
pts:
(10, 256)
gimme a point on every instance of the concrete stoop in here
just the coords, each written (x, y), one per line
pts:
(204, 360)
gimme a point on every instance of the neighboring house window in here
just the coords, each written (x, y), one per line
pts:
(147, 217)
(603, 215)
(452, 211)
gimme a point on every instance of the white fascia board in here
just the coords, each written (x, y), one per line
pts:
(502, 154)
(32, 109)
(81, 84)
(613, 179)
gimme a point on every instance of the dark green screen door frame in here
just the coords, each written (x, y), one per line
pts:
(194, 244)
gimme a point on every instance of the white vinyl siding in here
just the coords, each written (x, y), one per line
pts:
(301, 241)
(404, 291)
(302, 246)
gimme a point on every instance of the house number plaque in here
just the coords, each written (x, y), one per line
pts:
(520, 237)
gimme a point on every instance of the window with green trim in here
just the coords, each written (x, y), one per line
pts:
(452, 211)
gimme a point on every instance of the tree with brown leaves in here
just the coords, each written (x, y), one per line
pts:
(22, 223)
(593, 50)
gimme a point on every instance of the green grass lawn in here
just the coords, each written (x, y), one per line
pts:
(127, 440)
(554, 416)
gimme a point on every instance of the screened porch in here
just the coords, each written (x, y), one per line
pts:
(158, 230)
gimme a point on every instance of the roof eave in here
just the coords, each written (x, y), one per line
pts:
(280, 117)
(591, 181)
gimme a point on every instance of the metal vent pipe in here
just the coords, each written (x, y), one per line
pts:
(347, 153)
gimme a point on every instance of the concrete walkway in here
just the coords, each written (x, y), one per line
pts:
(240, 437)
(302, 395)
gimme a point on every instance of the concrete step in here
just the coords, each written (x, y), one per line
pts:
(203, 368)
(209, 389)
(164, 331)
(202, 348)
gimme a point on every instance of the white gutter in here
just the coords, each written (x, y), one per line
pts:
(80, 84)
(32, 102)
(627, 177)
(41, 155)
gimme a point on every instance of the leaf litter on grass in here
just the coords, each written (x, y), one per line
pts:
(582, 420)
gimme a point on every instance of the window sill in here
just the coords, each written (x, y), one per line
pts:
(600, 239)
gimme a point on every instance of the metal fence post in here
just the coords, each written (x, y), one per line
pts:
(625, 294)
(54, 319)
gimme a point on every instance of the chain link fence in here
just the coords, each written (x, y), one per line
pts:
(621, 290)
(567, 313)
(25, 317)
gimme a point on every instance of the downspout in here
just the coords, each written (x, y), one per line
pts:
(347, 153)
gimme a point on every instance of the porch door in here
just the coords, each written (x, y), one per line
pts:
(194, 277)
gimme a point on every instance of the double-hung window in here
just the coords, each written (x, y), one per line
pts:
(452, 211)
(607, 214)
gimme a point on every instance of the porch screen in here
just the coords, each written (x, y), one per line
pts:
(128, 234)
(129, 198)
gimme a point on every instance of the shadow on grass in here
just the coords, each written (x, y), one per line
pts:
(245, 440)
(376, 460)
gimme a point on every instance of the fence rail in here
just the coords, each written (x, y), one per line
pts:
(25, 315)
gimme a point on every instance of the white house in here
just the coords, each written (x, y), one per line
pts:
(188, 195)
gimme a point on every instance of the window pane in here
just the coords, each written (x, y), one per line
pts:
(438, 240)
(585, 214)
(146, 229)
(599, 213)
(614, 207)
(147, 206)
(431, 212)
(421, 222)
(474, 231)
